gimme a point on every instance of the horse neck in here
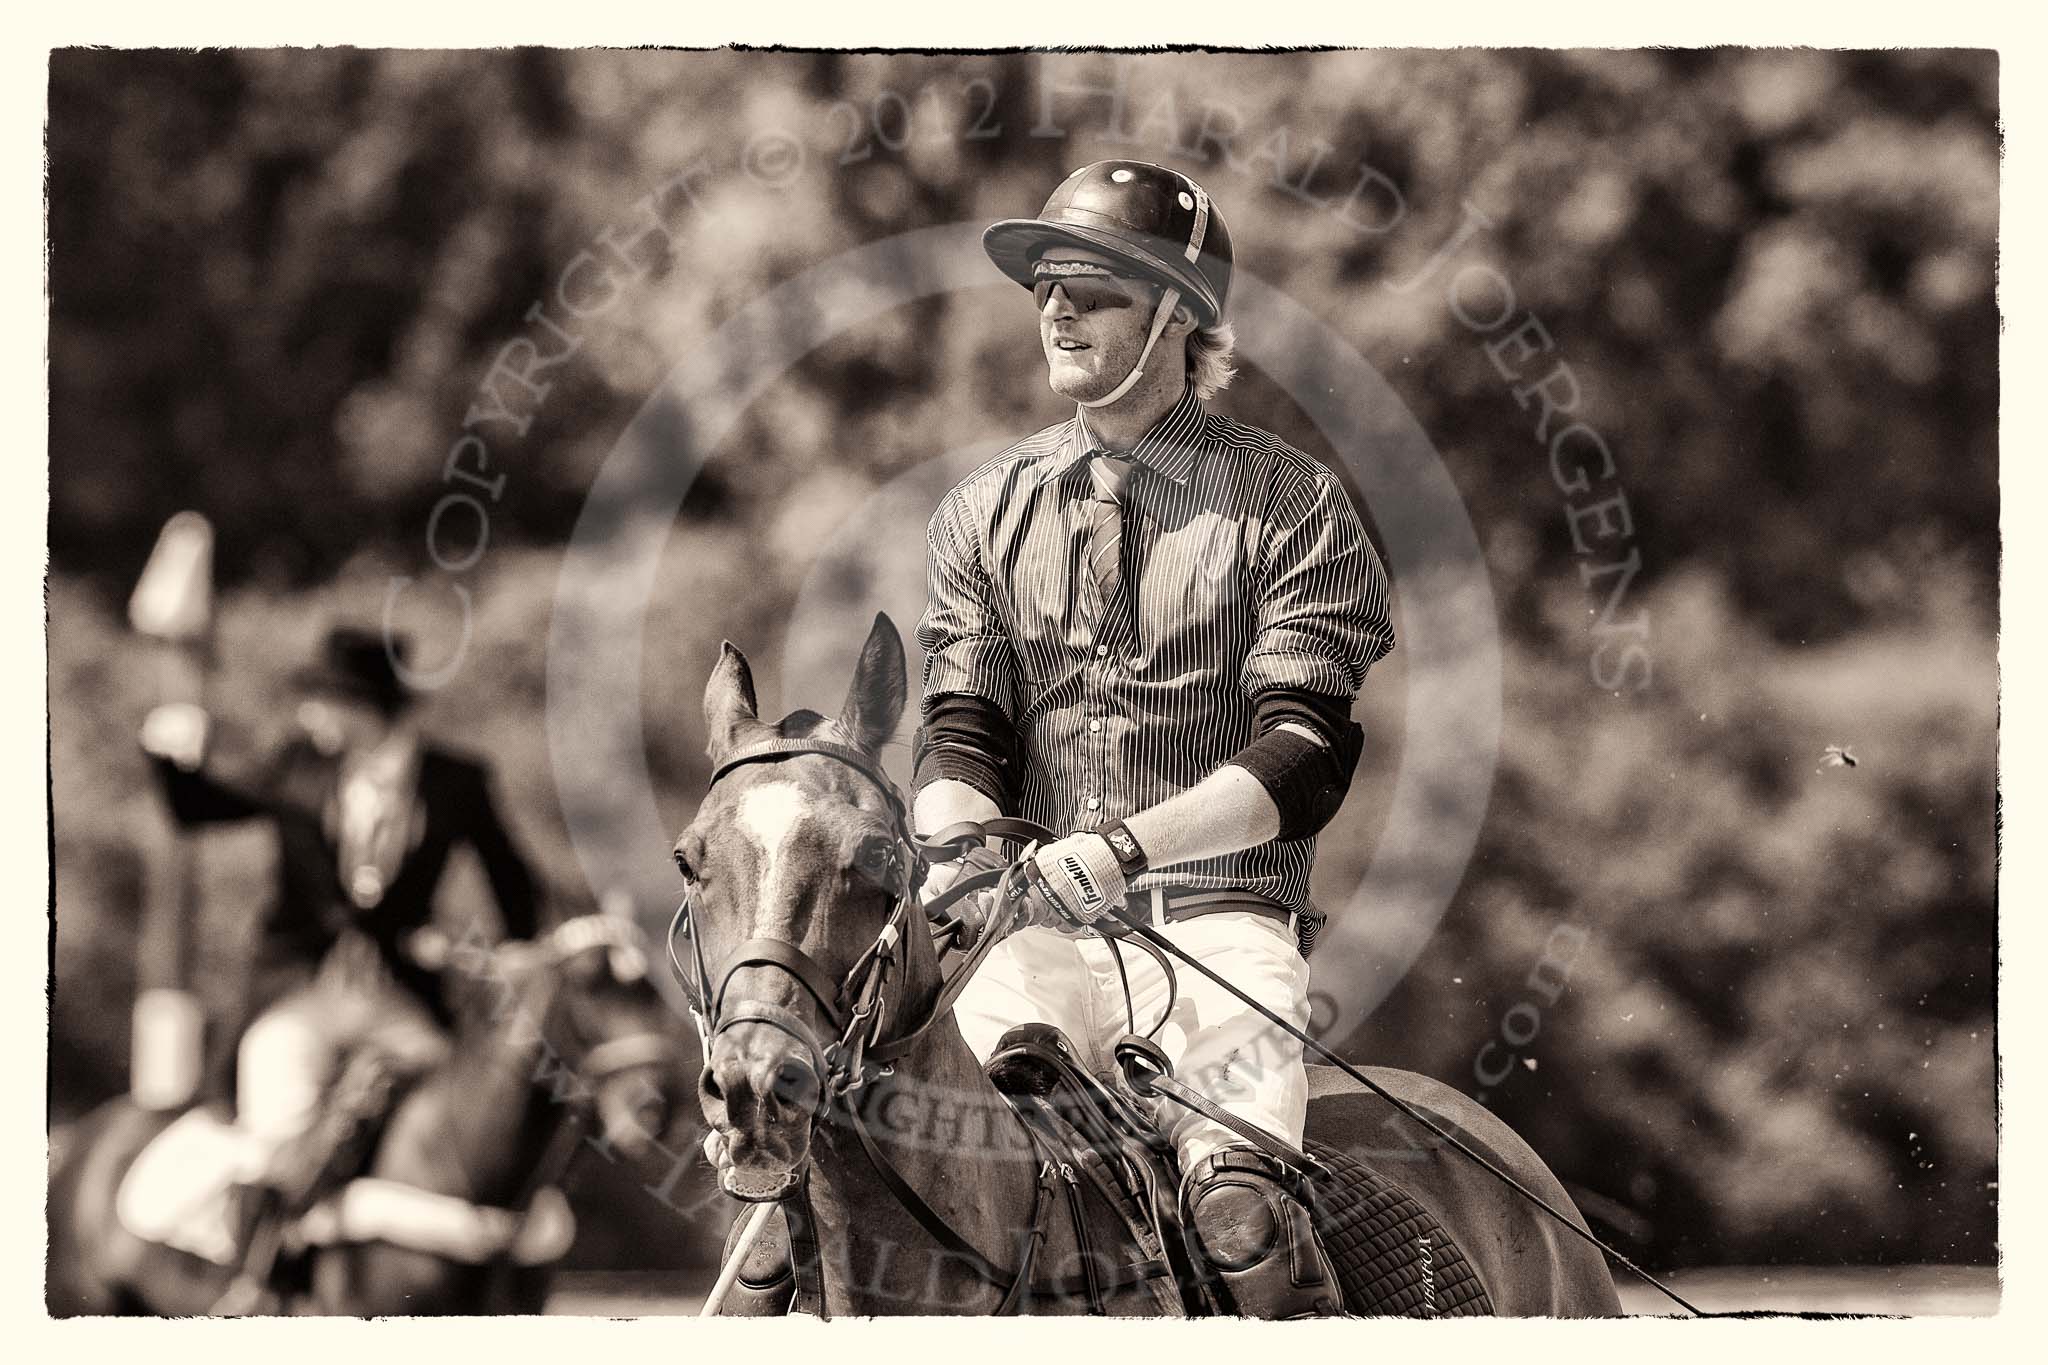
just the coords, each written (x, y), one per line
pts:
(953, 1140)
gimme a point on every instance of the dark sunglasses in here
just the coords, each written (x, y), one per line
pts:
(1089, 293)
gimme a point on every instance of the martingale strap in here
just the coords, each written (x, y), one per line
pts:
(801, 1220)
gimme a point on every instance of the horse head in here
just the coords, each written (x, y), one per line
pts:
(801, 903)
(582, 995)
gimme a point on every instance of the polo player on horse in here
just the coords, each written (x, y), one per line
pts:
(366, 813)
(1146, 628)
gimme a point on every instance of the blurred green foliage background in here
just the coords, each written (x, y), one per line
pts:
(279, 280)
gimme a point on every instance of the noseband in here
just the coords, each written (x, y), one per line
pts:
(851, 1006)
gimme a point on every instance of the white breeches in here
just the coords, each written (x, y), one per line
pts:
(1218, 1045)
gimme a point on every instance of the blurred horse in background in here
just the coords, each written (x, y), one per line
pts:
(455, 1210)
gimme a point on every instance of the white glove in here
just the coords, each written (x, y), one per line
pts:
(1080, 876)
(176, 732)
(430, 947)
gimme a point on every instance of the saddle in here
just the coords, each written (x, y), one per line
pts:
(1393, 1256)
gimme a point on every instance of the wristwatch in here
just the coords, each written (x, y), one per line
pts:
(1129, 856)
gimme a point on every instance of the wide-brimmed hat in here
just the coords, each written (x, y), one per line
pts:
(359, 665)
(1158, 221)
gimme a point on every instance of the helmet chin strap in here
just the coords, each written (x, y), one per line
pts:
(1167, 303)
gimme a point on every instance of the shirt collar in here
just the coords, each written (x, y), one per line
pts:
(1169, 448)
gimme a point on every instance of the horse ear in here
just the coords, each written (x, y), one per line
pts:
(874, 703)
(728, 701)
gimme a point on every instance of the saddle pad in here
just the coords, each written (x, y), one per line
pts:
(176, 1190)
(1393, 1257)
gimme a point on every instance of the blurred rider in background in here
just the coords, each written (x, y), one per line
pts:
(366, 814)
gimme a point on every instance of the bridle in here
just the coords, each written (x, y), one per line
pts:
(853, 1005)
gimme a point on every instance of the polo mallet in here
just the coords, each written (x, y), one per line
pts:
(172, 605)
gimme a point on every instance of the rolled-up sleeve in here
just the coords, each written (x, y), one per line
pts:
(1324, 607)
(966, 647)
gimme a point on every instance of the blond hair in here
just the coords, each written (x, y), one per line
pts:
(1209, 359)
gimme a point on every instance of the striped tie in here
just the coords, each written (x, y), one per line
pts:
(1106, 525)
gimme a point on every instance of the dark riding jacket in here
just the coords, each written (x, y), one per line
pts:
(310, 908)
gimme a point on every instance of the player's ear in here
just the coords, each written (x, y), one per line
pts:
(1183, 320)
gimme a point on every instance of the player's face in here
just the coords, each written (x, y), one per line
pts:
(342, 724)
(1092, 327)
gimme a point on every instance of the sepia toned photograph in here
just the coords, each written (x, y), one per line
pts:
(1169, 683)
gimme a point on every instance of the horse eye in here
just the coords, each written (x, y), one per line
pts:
(875, 856)
(683, 866)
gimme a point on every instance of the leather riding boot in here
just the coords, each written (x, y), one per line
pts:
(767, 1284)
(1256, 1234)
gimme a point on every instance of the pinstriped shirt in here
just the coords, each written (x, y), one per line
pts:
(1245, 568)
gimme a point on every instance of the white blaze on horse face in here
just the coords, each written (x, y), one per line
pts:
(771, 814)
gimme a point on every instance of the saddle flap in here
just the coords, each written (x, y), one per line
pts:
(1124, 1156)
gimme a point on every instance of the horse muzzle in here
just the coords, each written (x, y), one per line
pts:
(637, 1080)
(633, 1113)
(761, 1097)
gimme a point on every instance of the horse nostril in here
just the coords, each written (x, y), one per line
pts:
(796, 1085)
(708, 1083)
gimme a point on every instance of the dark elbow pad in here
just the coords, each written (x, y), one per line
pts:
(968, 739)
(1306, 780)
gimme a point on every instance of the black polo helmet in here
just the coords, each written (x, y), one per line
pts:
(1159, 221)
